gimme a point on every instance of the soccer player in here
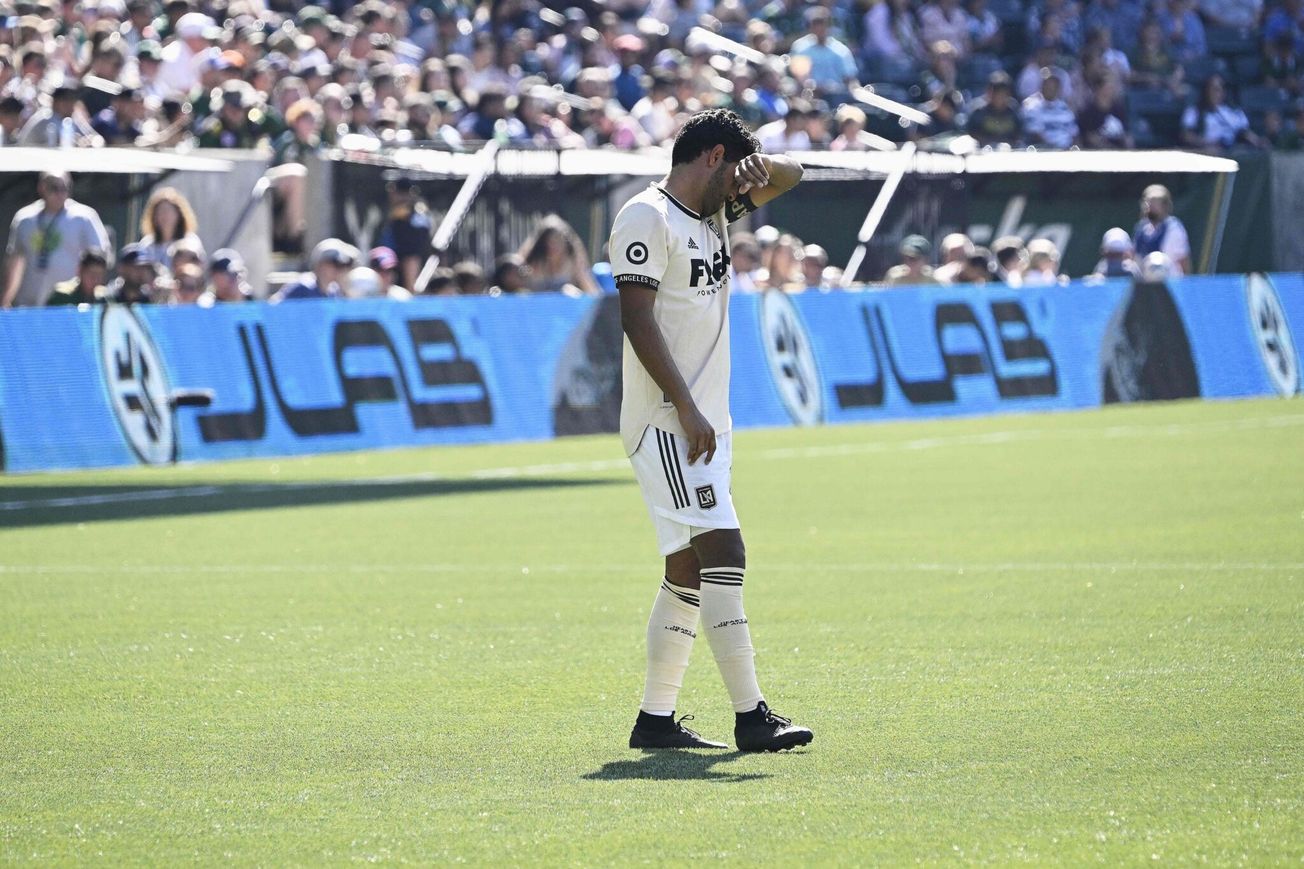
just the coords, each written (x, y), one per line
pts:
(670, 260)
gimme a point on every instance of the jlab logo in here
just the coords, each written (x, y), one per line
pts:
(704, 273)
(137, 385)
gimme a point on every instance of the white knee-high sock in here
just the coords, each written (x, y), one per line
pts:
(671, 629)
(727, 632)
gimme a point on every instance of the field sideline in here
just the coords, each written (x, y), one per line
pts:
(1059, 638)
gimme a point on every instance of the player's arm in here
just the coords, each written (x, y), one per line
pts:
(763, 177)
(640, 326)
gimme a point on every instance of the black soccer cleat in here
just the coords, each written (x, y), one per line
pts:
(762, 730)
(649, 732)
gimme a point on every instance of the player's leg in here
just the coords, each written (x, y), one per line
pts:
(672, 624)
(723, 559)
(671, 629)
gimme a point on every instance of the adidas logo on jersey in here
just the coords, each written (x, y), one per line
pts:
(692, 245)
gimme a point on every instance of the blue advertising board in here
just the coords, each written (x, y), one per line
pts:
(150, 384)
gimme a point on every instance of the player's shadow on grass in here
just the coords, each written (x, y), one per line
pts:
(56, 504)
(675, 766)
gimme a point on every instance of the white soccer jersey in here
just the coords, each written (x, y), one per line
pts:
(684, 256)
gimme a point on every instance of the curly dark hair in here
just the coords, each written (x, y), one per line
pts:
(705, 130)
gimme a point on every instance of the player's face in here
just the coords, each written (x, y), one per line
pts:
(721, 186)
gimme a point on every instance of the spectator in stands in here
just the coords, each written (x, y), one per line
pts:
(830, 65)
(1100, 45)
(493, 117)
(1045, 57)
(238, 120)
(1122, 18)
(137, 280)
(557, 261)
(1183, 30)
(303, 138)
(179, 73)
(790, 133)
(627, 84)
(1043, 264)
(1280, 66)
(783, 265)
(985, 33)
(87, 288)
(1060, 20)
(769, 90)
(1011, 259)
(187, 285)
(1116, 256)
(384, 262)
(440, 283)
(814, 260)
(945, 117)
(291, 152)
(122, 123)
(995, 118)
(510, 276)
(1288, 134)
(1233, 14)
(1160, 230)
(1213, 124)
(408, 228)
(1286, 20)
(957, 248)
(656, 111)
(1047, 119)
(187, 251)
(167, 219)
(362, 283)
(817, 126)
(330, 262)
(851, 132)
(943, 70)
(62, 122)
(46, 241)
(607, 124)
(149, 66)
(468, 279)
(226, 276)
(980, 268)
(1153, 66)
(1103, 123)
(745, 262)
(11, 119)
(945, 21)
(543, 128)
(7, 72)
(892, 34)
(914, 269)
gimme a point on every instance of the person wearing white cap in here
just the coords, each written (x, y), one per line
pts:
(181, 58)
(330, 262)
(1116, 259)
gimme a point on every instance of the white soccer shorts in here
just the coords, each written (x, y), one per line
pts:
(684, 500)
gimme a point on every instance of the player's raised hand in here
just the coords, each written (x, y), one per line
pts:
(699, 434)
(752, 173)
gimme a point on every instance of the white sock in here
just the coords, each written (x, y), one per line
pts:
(727, 632)
(671, 629)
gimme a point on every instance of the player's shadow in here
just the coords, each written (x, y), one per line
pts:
(675, 766)
(58, 503)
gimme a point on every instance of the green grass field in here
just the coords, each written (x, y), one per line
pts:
(1058, 639)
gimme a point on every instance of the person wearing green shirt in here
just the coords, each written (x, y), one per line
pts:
(88, 287)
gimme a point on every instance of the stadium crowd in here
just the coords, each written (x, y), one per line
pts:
(1210, 75)
(56, 256)
(293, 79)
